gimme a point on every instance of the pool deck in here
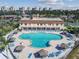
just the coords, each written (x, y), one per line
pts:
(24, 54)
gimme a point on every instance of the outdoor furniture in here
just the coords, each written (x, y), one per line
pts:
(37, 55)
(68, 35)
(15, 32)
(63, 33)
(11, 39)
(29, 55)
(70, 45)
(57, 53)
(69, 39)
(11, 45)
(58, 47)
(51, 55)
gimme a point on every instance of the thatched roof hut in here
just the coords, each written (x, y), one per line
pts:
(40, 54)
(18, 48)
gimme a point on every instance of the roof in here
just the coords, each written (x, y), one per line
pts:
(53, 19)
(41, 22)
(42, 18)
(24, 18)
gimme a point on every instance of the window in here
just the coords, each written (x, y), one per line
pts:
(25, 24)
(56, 24)
(40, 24)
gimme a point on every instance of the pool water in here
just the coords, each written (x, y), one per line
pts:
(40, 40)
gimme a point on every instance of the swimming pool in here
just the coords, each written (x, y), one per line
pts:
(40, 40)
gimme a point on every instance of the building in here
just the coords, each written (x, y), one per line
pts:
(11, 8)
(41, 24)
(8, 16)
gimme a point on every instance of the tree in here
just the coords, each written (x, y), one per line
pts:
(4, 42)
(39, 11)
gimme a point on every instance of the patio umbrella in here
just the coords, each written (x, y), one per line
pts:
(61, 46)
(18, 48)
(41, 54)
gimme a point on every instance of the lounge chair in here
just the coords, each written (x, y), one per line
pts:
(69, 39)
(51, 55)
(70, 45)
(29, 56)
(57, 53)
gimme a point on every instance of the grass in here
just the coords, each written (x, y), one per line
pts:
(6, 28)
(73, 54)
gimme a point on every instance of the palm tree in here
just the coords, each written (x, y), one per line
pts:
(34, 10)
(28, 10)
(39, 11)
(49, 12)
(76, 31)
(44, 11)
(4, 42)
(4, 46)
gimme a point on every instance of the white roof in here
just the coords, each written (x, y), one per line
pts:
(24, 18)
(55, 19)
(38, 18)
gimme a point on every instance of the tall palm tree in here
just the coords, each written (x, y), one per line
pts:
(49, 12)
(44, 11)
(34, 10)
(39, 11)
(4, 46)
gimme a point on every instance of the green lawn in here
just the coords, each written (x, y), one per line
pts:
(73, 54)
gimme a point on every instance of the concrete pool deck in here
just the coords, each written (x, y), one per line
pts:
(24, 54)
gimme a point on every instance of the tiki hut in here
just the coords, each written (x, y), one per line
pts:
(61, 46)
(41, 54)
(18, 48)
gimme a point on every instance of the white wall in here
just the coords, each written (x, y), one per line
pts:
(43, 25)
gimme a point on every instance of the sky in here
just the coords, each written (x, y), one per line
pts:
(54, 4)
